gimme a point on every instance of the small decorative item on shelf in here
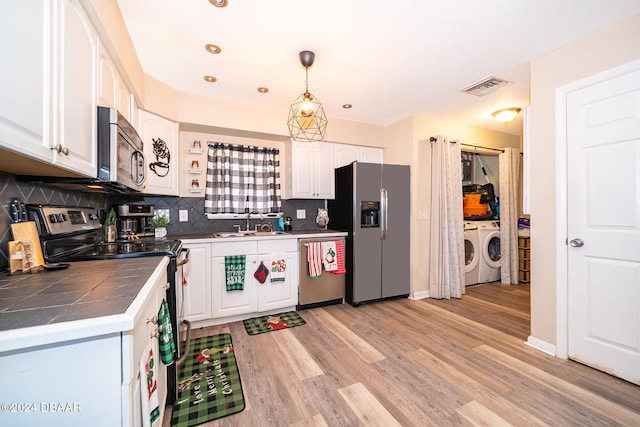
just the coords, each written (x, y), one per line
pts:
(110, 226)
(196, 148)
(159, 225)
(195, 164)
(195, 183)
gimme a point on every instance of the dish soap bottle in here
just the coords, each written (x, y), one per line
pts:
(281, 223)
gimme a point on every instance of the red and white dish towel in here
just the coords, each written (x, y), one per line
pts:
(314, 259)
(340, 257)
(149, 386)
(329, 258)
(329, 254)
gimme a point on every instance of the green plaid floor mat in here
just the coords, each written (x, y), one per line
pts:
(274, 322)
(208, 383)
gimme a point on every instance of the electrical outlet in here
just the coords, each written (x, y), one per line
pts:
(184, 215)
(163, 212)
(301, 214)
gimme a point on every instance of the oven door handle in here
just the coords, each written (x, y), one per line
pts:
(185, 353)
(185, 260)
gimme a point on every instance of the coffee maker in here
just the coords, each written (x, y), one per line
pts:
(134, 220)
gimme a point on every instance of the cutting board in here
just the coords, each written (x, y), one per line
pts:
(27, 231)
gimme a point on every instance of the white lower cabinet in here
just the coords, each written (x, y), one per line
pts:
(197, 282)
(207, 300)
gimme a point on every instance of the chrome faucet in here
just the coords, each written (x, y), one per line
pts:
(249, 216)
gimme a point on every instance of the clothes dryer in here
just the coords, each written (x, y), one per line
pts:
(489, 265)
(472, 253)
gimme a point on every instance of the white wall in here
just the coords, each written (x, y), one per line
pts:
(598, 52)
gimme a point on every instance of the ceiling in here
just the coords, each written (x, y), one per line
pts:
(389, 59)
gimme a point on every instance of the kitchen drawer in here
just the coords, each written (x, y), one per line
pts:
(234, 248)
(277, 245)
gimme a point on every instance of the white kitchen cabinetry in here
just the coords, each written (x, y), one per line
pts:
(75, 90)
(160, 138)
(255, 297)
(197, 289)
(48, 104)
(134, 343)
(107, 80)
(25, 104)
(346, 154)
(310, 172)
(91, 381)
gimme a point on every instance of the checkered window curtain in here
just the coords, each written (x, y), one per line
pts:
(242, 179)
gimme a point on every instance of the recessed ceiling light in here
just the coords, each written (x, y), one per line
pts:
(263, 89)
(210, 79)
(219, 3)
(347, 106)
(212, 48)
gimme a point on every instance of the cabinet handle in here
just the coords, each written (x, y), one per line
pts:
(153, 320)
(61, 150)
(166, 286)
(156, 332)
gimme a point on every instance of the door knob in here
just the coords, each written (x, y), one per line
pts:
(576, 243)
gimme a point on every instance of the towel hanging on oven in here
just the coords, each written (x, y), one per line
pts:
(166, 344)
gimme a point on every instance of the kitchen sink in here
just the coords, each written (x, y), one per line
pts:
(248, 233)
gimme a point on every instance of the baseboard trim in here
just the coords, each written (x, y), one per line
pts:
(540, 345)
(419, 295)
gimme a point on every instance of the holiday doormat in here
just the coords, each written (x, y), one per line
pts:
(274, 322)
(208, 383)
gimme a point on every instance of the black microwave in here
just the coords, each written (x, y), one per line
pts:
(120, 150)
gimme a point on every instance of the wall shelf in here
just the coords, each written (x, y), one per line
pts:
(195, 190)
(195, 171)
(195, 150)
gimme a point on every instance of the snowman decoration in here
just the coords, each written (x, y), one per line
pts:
(322, 219)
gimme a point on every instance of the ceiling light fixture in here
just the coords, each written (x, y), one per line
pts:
(307, 120)
(212, 48)
(210, 79)
(263, 89)
(506, 115)
(219, 3)
(347, 106)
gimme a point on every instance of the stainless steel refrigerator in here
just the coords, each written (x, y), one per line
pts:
(373, 205)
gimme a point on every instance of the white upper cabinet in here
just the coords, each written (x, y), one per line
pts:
(25, 118)
(75, 90)
(160, 138)
(107, 80)
(310, 171)
(346, 154)
(48, 104)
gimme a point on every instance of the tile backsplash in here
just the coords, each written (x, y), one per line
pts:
(197, 223)
(37, 194)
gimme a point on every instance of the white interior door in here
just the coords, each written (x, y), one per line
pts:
(603, 198)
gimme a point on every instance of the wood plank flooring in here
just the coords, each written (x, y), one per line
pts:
(419, 363)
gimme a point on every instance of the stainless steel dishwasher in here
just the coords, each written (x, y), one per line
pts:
(324, 290)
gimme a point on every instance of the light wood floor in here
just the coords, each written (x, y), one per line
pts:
(420, 363)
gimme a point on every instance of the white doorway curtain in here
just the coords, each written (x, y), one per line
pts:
(509, 161)
(446, 260)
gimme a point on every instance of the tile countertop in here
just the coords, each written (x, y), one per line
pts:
(88, 299)
(296, 234)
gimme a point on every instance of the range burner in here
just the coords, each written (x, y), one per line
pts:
(131, 248)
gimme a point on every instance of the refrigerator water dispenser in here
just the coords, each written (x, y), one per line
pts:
(369, 214)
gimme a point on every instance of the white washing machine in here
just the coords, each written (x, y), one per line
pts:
(471, 253)
(489, 265)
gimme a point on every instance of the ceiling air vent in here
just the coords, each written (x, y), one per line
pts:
(485, 86)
